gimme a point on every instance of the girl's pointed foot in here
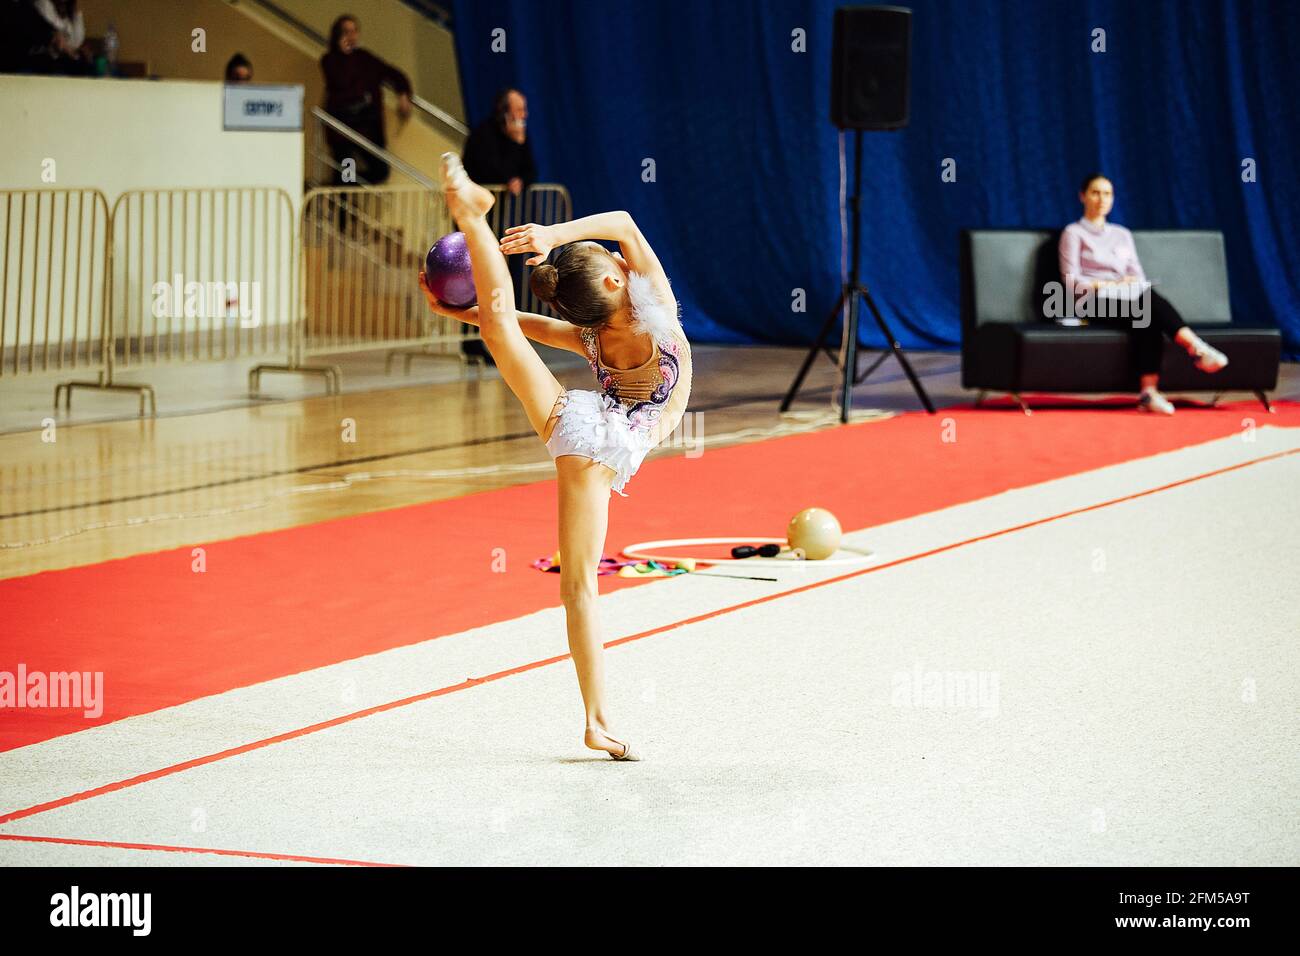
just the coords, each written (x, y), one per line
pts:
(597, 739)
(465, 198)
(627, 754)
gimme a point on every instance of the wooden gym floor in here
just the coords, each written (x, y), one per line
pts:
(215, 465)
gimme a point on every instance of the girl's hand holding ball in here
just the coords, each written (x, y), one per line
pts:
(439, 307)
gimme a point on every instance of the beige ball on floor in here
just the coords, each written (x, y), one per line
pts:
(816, 532)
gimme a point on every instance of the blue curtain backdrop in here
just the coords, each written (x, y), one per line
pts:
(744, 206)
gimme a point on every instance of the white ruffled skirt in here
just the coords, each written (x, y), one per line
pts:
(595, 426)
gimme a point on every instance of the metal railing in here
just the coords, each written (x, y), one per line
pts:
(361, 251)
(177, 277)
(433, 12)
(201, 275)
(543, 203)
(362, 248)
(204, 275)
(438, 114)
(53, 280)
(323, 157)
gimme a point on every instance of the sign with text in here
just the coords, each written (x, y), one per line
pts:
(254, 106)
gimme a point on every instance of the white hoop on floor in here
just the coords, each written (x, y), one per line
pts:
(637, 552)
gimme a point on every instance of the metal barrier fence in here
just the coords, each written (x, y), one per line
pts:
(204, 275)
(174, 277)
(53, 280)
(543, 203)
(362, 248)
(361, 251)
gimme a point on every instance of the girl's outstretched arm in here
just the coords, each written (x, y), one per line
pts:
(617, 226)
(539, 328)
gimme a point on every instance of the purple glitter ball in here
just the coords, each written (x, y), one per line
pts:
(448, 272)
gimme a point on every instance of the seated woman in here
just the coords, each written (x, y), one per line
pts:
(1099, 262)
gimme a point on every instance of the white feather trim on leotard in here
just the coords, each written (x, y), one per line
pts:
(651, 315)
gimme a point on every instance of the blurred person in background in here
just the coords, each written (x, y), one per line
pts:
(498, 150)
(239, 69)
(24, 38)
(1100, 268)
(354, 81)
(66, 50)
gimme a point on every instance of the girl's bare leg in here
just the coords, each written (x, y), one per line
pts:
(584, 519)
(584, 484)
(517, 361)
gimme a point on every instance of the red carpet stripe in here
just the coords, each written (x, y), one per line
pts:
(249, 854)
(288, 601)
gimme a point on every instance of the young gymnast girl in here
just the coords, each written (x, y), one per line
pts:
(617, 311)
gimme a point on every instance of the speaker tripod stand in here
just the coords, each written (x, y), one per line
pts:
(855, 292)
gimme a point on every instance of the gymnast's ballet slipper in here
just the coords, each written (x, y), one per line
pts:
(464, 196)
(628, 752)
(453, 173)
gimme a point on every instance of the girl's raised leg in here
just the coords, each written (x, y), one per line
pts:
(517, 361)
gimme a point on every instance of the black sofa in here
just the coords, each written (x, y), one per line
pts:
(1008, 346)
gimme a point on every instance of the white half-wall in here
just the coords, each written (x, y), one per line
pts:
(115, 136)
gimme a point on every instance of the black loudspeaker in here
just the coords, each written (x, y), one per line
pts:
(870, 67)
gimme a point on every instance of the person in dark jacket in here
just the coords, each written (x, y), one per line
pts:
(354, 80)
(26, 40)
(498, 150)
(43, 36)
